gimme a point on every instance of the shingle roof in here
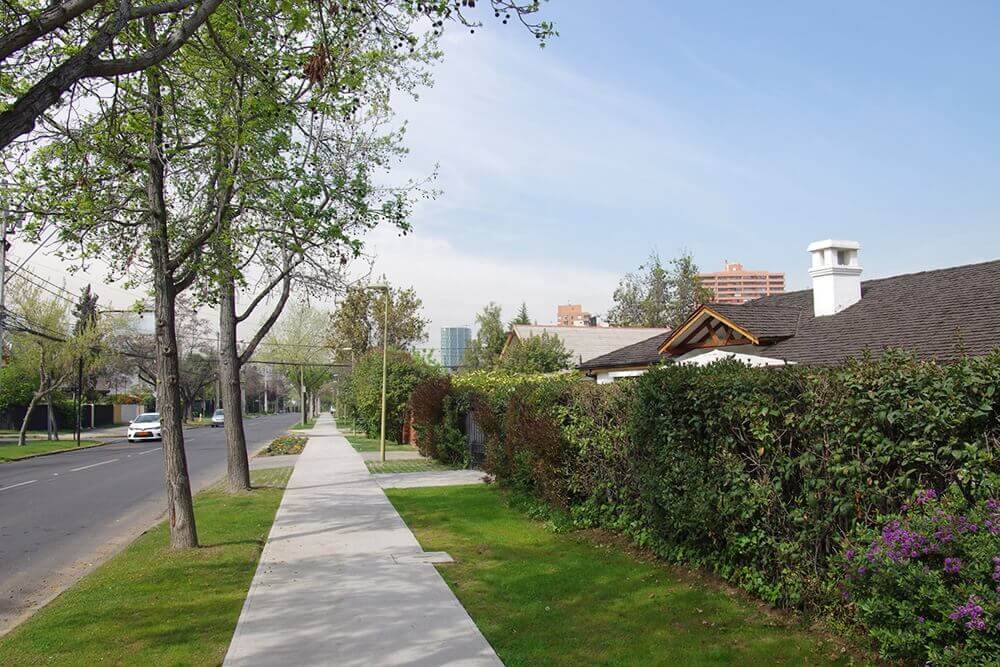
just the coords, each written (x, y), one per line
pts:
(585, 343)
(643, 353)
(939, 314)
(766, 322)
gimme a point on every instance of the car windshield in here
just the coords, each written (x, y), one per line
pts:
(147, 418)
(218, 413)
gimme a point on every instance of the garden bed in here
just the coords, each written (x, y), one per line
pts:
(284, 445)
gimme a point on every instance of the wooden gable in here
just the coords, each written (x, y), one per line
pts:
(706, 329)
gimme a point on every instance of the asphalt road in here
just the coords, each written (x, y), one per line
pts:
(62, 515)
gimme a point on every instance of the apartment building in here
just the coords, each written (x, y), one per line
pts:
(737, 285)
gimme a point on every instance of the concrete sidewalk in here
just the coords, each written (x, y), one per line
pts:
(342, 580)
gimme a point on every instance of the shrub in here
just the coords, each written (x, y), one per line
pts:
(437, 421)
(403, 371)
(757, 474)
(926, 583)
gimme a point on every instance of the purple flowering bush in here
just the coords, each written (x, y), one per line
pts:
(926, 584)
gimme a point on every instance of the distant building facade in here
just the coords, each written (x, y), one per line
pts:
(454, 342)
(573, 315)
(736, 285)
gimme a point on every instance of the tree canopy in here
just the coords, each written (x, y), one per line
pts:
(537, 354)
(484, 349)
(658, 295)
(358, 322)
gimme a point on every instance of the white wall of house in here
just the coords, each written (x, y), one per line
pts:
(703, 358)
(607, 377)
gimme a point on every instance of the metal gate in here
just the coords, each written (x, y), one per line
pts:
(477, 441)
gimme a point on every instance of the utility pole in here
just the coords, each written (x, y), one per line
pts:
(385, 357)
(3, 277)
(302, 395)
(5, 220)
(384, 287)
(267, 372)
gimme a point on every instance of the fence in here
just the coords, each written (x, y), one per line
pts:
(477, 441)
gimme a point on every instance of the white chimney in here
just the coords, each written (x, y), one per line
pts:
(836, 275)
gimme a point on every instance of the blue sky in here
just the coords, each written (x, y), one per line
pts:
(733, 131)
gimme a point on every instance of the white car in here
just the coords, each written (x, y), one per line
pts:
(145, 427)
(218, 418)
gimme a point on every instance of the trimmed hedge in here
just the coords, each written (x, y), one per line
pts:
(761, 475)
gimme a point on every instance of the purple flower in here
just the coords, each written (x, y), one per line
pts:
(952, 565)
(901, 544)
(971, 612)
(925, 496)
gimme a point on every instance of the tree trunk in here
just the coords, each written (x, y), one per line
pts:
(21, 436)
(180, 508)
(237, 463)
(52, 428)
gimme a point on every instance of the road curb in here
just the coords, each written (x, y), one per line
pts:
(62, 451)
(80, 449)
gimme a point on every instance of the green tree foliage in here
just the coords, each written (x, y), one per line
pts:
(536, 354)
(359, 319)
(17, 383)
(522, 315)
(46, 52)
(298, 341)
(658, 295)
(45, 346)
(403, 372)
(484, 349)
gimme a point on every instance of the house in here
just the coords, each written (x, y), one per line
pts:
(939, 315)
(583, 343)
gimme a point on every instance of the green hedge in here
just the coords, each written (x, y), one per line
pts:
(362, 390)
(761, 475)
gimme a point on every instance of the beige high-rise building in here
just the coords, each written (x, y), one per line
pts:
(737, 285)
(573, 315)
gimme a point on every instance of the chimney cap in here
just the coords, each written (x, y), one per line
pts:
(831, 243)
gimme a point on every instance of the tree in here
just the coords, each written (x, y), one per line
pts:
(658, 296)
(49, 52)
(522, 316)
(146, 173)
(484, 350)
(305, 184)
(298, 345)
(45, 342)
(358, 321)
(537, 354)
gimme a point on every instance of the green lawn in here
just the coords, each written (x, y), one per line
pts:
(408, 465)
(152, 606)
(365, 444)
(302, 425)
(581, 598)
(10, 451)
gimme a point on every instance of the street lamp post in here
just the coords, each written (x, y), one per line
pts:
(342, 407)
(385, 357)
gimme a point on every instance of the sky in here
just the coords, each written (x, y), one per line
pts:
(733, 131)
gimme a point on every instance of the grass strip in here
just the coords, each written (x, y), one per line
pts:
(150, 605)
(543, 597)
(11, 451)
(408, 465)
(298, 426)
(365, 444)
